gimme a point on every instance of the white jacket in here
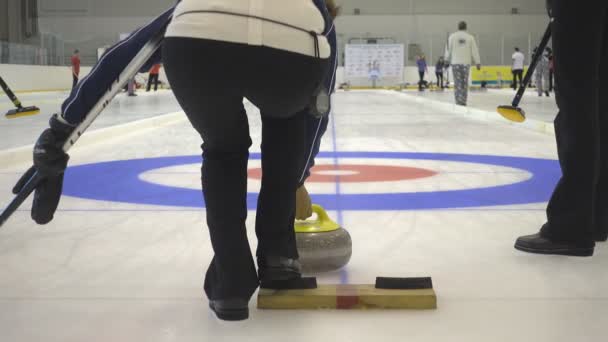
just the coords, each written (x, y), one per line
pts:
(462, 49)
(229, 28)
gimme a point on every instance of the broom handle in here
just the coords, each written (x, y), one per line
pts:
(10, 94)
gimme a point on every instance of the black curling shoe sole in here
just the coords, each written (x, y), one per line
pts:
(541, 245)
(229, 313)
(579, 252)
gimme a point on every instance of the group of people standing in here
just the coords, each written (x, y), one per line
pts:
(543, 75)
(440, 70)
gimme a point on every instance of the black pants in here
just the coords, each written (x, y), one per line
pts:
(578, 209)
(439, 79)
(152, 79)
(280, 84)
(551, 76)
(74, 81)
(421, 82)
(518, 75)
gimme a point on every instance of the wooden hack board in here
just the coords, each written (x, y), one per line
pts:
(347, 297)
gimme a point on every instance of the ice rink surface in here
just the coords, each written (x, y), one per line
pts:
(124, 261)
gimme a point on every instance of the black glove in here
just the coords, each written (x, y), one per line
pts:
(50, 161)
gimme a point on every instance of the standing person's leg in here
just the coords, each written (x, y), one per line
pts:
(457, 69)
(550, 80)
(156, 80)
(461, 79)
(538, 78)
(570, 212)
(213, 102)
(514, 84)
(420, 82)
(545, 81)
(601, 213)
(283, 149)
(150, 80)
(74, 81)
(131, 87)
(465, 84)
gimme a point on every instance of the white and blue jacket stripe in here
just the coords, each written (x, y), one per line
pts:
(317, 127)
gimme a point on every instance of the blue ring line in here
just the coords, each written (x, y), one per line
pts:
(118, 181)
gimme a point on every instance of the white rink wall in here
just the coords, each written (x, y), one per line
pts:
(38, 77)
(410, 76)
(29, 78)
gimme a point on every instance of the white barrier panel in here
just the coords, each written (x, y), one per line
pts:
(39, 77)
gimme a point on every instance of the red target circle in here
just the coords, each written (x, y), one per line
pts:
(356, 173)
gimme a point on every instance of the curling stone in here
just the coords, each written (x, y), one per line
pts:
(323, 245)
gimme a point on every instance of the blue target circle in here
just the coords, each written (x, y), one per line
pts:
(119, 181)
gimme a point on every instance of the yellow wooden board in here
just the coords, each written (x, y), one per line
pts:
(347, 297)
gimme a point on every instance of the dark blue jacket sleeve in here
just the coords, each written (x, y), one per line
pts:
(88, 92)
(317, 127)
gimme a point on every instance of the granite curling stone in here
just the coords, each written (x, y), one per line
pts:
(323, 245)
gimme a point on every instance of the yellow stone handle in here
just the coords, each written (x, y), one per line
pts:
(323, 223)
(321, 213)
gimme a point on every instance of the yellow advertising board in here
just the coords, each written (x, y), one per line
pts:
(495, 75)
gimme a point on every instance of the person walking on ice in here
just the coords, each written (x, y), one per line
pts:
(462, 51)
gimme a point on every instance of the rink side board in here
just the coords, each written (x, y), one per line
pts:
(347, 297)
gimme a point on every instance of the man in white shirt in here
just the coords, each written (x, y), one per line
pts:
(461, 52)
(518, 67)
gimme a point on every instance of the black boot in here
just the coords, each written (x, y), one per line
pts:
(541, 245)
(271, 268)
(230, 309)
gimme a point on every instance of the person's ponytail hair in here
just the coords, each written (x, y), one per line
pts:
(333, 8)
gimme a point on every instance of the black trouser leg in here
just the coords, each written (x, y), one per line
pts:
(156, 82)
(550, 80)
(74, 81)
(150, 78)
(283, 148)
(601, 207)
(517, 79)
(214, 106)
(514, 84)
(520, 77)
(421, 82)
(577, 126)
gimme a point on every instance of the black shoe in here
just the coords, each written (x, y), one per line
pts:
(547, 93)
(541, 245)
(278, 268)
(230, 309)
